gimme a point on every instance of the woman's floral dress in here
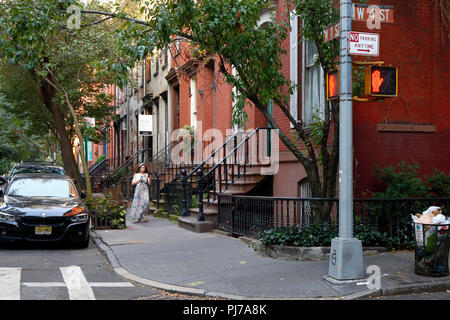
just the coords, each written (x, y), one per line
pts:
(141, 198)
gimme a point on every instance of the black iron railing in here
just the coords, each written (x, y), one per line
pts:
(178, 196)
(124, 169)
(249, 150)
(248, 215)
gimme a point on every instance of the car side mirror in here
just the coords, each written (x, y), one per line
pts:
(83, 194)
(3, 180)
(1, 193)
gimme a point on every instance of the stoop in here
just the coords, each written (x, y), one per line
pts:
(190, 223)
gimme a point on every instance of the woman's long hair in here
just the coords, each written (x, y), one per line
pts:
(139, 168)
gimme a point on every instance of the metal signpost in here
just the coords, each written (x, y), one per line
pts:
(346, 256)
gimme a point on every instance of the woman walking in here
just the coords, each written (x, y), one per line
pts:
(141, 180)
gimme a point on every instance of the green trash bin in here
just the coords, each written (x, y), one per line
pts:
(431, 249)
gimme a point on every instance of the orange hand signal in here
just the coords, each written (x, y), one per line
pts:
(376, 81)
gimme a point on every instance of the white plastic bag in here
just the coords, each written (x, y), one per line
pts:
(439, 219)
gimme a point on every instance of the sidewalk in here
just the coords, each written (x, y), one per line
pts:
(164, 256)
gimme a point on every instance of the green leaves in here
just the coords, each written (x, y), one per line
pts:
(405, 182)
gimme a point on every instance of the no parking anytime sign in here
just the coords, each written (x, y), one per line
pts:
(364, 44)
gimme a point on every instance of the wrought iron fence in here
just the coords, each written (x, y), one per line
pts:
(178, 197)
(248, 215)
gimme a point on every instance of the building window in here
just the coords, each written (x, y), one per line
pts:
(313, 85)
(193, 91)
(293, 63)
(177, 47)
(165, 58)
(156, 64)
(148, 69)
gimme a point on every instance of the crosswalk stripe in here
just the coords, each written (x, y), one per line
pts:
(74, 280)
(10, 283)
(79, 288)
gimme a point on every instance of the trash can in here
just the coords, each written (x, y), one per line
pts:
(431, 249)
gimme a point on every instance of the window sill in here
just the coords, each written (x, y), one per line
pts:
(405, 127)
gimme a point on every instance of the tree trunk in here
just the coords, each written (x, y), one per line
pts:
(46, 94)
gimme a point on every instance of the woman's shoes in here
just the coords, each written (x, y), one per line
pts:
(141, 220)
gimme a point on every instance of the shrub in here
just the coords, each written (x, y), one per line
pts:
(404, 182)
(114, 212)
(315, 236)
(296, 236)
(100, 158)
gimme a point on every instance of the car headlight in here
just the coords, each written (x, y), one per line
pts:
(77, 214)
(80, 218)
(8, 217)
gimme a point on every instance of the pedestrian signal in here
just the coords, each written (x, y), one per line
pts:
(332, 85)
(381, 81)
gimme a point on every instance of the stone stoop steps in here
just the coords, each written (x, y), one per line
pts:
(241, 186)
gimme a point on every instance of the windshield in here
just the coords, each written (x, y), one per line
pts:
(54, 170)
(40, 187)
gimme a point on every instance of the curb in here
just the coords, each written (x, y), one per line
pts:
(416, 288)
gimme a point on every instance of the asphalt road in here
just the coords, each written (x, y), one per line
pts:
(34, 271)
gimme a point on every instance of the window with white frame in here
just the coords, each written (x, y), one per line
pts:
(193, 91)
(293, 63)
(313, 84)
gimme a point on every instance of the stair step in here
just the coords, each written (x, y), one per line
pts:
(192, 224)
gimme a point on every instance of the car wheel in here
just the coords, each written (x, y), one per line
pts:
(83, 244)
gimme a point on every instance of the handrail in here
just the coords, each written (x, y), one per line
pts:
(236, 147)
(126, 163)
(212, 154)
(208, 181)
(97, 165)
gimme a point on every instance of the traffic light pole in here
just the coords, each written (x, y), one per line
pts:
(346, 257)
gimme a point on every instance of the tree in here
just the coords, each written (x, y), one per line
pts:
(229, 30)
(17, 140)
(63, 65)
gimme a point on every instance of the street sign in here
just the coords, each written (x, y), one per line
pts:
(362, 12)
(365, 12)
(331, 32)
(364, 44)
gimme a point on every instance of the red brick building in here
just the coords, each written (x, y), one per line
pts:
(412, 127)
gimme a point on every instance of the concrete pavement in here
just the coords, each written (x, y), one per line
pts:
(164, 256)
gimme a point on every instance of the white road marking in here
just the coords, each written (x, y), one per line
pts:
(92, 284)
(74, 280)
(79, 288)
(43, 284)
(10, 283)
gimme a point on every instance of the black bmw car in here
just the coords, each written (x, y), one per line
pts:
(43, 207)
